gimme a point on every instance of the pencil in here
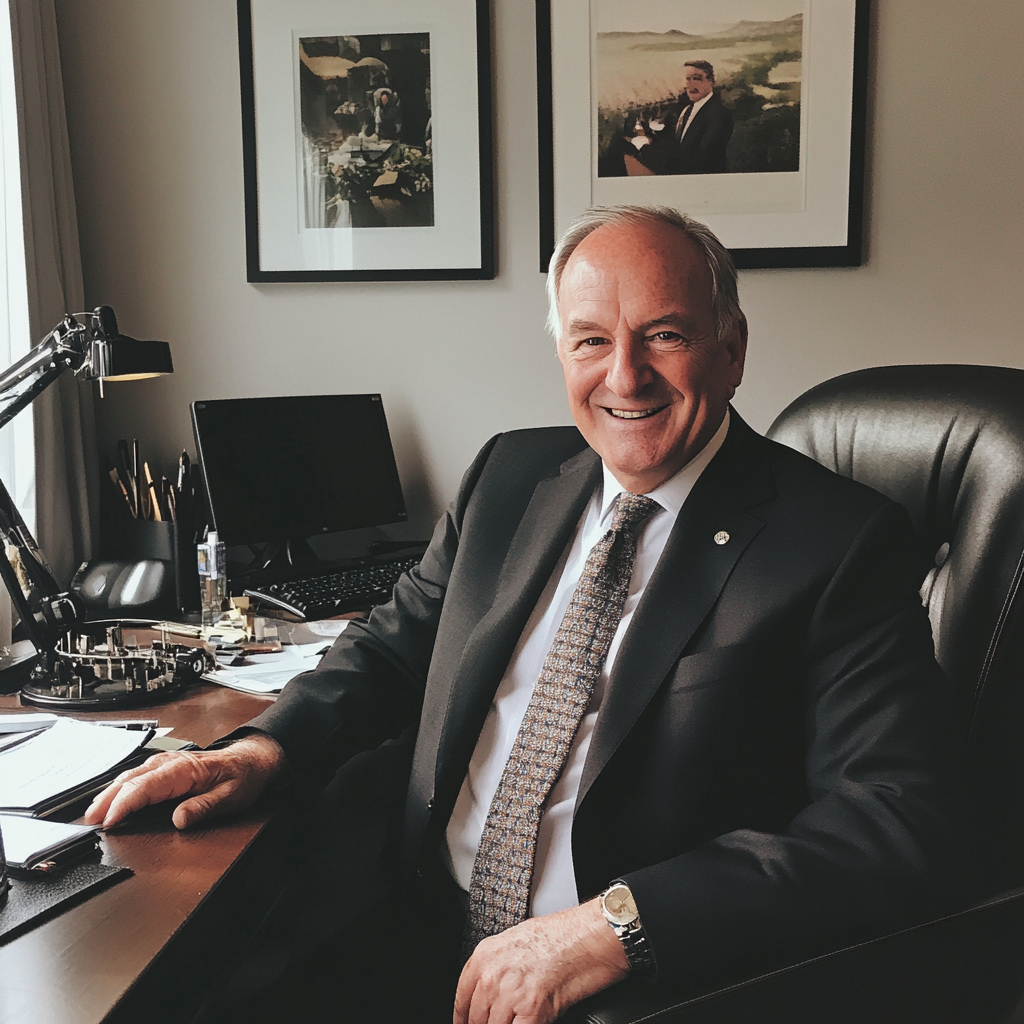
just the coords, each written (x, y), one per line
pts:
(154, 497)
(141, 492)
(129, 477)
(124, 490)
(169, 498)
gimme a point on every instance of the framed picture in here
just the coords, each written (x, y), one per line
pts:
(746, 114)
(366, 139)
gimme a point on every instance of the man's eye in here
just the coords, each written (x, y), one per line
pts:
(667, 338)
(593, 342)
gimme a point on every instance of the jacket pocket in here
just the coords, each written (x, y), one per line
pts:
(735, 663)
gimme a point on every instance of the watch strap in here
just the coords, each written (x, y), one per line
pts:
(639, 954)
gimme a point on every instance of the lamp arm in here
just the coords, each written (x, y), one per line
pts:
(20, 384)
(46, 611)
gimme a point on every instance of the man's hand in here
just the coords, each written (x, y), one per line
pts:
(533, 973)
(218, 781)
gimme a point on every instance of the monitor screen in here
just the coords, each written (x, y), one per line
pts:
(283, 468)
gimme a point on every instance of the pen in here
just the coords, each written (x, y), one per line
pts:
(141, 493)
(169, 498)
(153, 495)
(124, 490)
(183, 469)
(130, 481)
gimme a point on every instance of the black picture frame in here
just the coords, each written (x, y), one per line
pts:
(452, 237)
(563, 188)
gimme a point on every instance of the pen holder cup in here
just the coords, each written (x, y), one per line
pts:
(147, 569)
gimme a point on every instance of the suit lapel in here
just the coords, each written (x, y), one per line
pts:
(684, 588)
(542, 536)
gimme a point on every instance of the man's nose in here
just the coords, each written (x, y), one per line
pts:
(629, 370)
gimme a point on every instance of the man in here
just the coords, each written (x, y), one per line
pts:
(677, 706)
(387, 114)
(704, 126)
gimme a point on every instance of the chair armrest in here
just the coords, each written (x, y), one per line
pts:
(968, 966)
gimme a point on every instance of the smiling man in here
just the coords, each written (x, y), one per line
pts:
(675, 704)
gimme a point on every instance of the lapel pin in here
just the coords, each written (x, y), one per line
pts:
(721, 537)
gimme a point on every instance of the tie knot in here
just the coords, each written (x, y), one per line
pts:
(631, 510)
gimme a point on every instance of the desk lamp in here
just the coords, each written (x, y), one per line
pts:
(70, 669)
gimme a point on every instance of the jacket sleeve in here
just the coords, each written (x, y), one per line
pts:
(879, 843)
(369, 687)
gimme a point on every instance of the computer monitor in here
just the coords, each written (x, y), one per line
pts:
(281, 470)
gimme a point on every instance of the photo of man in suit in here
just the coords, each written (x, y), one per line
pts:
(703, 127)
(671, 686)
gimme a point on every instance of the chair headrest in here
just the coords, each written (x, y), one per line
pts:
(947, 442)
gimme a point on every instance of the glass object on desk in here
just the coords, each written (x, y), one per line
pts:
(213, 578)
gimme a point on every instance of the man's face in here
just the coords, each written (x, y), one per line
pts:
(647, 379)
(698, 85)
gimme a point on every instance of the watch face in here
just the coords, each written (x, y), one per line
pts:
(619, 907)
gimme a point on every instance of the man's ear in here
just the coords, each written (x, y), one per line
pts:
(736, 347)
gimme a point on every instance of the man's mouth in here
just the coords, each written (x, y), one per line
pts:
(636, 414)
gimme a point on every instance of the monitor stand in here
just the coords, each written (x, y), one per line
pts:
(286, 555)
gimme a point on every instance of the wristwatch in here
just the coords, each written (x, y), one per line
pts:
(620, 912)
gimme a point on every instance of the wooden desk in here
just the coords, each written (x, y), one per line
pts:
(111, 957)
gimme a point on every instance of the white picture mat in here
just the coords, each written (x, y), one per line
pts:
(820, 215)
(285, 244)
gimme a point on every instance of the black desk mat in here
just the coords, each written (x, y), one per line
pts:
(31, 901)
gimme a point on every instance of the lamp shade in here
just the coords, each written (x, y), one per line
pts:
(122, 358)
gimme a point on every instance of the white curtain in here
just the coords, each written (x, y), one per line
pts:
(17, 450)
(66, 471)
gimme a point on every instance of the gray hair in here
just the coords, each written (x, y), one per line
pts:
(725, 300)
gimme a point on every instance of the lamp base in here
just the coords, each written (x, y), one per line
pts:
(108, 669)
(16, 663)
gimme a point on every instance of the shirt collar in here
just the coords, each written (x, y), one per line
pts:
(673, 492)
(700, 103)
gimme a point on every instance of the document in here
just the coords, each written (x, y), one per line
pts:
(29, 842)
(266, 675)
(65, 762)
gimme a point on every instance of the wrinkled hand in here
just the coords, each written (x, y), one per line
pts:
(217, 781)
(533, 973)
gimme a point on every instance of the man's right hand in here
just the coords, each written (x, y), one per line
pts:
(215, 781)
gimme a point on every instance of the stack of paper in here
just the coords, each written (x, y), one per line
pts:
(30, 844)
(68, 761)
(266, 674)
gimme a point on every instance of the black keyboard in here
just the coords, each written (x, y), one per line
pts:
(320, 597)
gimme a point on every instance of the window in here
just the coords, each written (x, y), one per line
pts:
(17, 439)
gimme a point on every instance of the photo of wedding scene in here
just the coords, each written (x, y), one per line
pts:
(698, 87)
(367, 147)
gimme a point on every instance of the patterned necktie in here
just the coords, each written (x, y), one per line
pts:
(683, 122)
(499, 890)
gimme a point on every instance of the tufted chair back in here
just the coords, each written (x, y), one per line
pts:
(947, 442)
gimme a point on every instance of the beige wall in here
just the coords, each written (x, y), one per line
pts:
(153, 106)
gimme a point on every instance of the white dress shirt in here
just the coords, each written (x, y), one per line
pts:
(693, 113)
(554, 881)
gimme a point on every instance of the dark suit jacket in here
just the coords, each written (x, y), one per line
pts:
(702, 148)
(773, 761)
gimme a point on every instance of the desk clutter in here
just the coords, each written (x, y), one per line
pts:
(165, 540)
(145, 497)
(59, 762)
(47, 766)
(149, 525)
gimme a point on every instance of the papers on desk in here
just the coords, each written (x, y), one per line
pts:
(265, 675)
(30, 844)
(27, 722)
(66, 762)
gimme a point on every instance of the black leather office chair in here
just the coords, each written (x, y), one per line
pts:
(948, 443)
